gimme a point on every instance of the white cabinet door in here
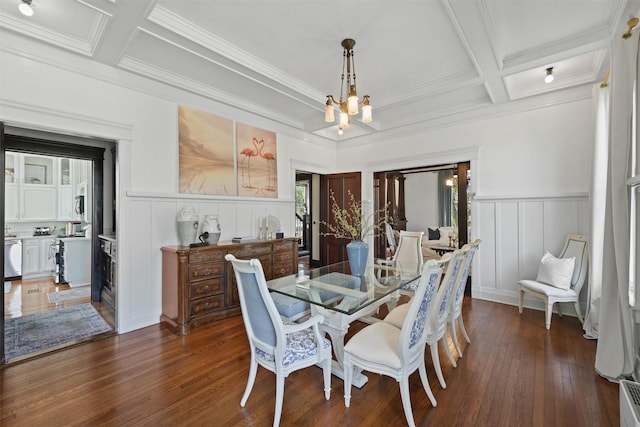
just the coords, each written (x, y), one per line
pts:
(11, 203)
(38, 203)
(65, 204)
(47, 258)
(30, 256)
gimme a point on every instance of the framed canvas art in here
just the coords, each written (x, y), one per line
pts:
(206, 153)
(257, 162)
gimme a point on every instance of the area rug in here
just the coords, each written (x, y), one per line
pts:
(7, 287)
(66, 295)
(35, 332)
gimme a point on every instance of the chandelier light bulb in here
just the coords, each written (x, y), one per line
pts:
(366, 110)
(344, 120)
(352, 101)
(329, 117)
(25, 8)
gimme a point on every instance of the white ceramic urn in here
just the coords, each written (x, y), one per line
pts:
(212, 226)
(187, 225)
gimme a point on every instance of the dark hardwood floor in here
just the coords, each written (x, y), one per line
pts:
(514, 373)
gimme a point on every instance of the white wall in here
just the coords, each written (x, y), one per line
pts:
(530, 183)
(55, 91)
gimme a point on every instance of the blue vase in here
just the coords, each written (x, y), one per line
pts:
(357, 252)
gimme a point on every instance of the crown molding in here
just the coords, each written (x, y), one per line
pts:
(570, 95)
(190, 31)
(139, 67)
(82, 46)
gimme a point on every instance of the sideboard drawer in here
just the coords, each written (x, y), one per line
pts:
(204, 271)
(284, 270)
(283, 257)
(251, 251)
(207, 256)
(206, 305)
(206, 288)
(285, 245)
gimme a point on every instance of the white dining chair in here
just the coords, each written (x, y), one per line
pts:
(408, 253)
(437, 324)
(391, 240)
(574, 247)
(277, 347)
(455, 306)
(397, 352)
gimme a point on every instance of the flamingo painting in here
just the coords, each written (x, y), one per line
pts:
(248, 153)
(270, 158)
(256, 152)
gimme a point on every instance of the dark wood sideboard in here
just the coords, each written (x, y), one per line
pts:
(199, 286)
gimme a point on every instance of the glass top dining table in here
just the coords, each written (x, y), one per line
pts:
(341, 298)
(333, 286)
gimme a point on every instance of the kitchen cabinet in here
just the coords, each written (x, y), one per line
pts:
(47, 258)
(37, 260)
(37, 170)
(65, 177)
(43, 188)
(11, 171)
(11, 203)
(199, 286)
(30, 257)
(37, 203)
(65, 204)
(65, 190)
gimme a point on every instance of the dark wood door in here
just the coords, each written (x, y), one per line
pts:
(332, 249)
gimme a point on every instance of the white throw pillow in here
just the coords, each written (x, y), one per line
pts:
(556, 271)
(445, 232)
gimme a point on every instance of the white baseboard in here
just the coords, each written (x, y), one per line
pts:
(511, 298)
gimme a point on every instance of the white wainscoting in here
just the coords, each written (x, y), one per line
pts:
(152, 224)
(515, 232)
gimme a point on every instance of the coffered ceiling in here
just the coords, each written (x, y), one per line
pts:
(422, 62)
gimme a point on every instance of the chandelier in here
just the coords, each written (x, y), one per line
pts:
(348, 92)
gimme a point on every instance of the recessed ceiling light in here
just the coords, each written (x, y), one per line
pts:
(549, 77)
(25, 8)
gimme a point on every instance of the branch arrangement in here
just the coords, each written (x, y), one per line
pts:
(352, 222)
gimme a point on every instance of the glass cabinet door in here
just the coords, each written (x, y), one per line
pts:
(38, 170)
(65, 172)
(9, 168)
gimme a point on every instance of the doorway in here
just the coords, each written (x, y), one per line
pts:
(86, 202)
(425, 197)
(303, 213)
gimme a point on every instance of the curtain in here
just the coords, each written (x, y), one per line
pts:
(444, 198)
(597, 208)
(614, 354)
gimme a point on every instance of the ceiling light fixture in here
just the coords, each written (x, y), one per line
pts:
(350, 106)
(26, 8)
(549, 77)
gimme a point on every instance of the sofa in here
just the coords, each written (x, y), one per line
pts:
(435, 236)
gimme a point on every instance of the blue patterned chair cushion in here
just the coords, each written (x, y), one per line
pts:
(300, 346)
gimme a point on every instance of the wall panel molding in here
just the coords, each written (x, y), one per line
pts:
(515, 233)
